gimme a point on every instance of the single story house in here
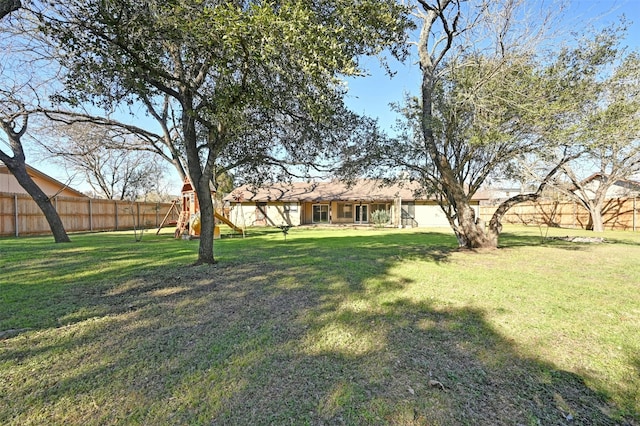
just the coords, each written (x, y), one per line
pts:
(49, 185)
(621, 188)
(333, 202)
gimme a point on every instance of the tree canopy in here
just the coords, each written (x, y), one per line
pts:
(493, 96)
(8, 6)
(610, 134)
(254, 86)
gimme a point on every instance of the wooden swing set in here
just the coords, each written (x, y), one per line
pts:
(188, 222)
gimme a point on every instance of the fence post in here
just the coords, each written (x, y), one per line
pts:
(115, 203)
(634, 214)
(15, 214)
(90, 216)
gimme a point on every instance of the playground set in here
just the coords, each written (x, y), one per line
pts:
(188, 223)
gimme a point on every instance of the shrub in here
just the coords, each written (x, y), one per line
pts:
(380, 218)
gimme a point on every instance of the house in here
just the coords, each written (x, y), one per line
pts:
(335, 203)
(49, 185)
(621, 188)
(499, 192)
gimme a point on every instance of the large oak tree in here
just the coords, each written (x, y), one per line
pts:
(477, 75)
(255, 84)
(490, 99)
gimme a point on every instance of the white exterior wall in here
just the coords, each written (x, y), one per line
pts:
(246, 214)
(283, 214)
(242, 214)
(431, 215)
(427, 214)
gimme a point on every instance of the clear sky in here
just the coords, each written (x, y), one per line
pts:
(372, 95)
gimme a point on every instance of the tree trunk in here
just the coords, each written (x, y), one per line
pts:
(200, 181)
(19, 171)
(597, 223)
(471, 233)
(205, 250)
(18, 167)
(495, 224)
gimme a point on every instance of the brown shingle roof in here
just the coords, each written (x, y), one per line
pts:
(362, 190)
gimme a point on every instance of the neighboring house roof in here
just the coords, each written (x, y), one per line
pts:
(620, 188)
(620, 182)
(361, 190)
(49, 185)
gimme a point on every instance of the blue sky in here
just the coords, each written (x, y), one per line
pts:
(372, 95)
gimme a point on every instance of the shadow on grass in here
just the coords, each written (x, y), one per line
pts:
(43, 284)
(257, 340)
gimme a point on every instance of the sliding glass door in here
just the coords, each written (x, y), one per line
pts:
(320, 213)
(362, 213)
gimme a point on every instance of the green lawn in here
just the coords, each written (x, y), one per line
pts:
(328, 327)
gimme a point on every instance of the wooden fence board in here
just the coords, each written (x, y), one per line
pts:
(621, 214)
(20, 215)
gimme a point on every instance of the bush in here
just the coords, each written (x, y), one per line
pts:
(380, 218)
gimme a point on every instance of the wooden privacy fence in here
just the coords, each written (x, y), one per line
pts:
(20, 215)
(619, 213)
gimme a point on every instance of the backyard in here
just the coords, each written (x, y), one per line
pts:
(330, 326)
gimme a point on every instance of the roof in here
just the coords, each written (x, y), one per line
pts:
(55, 185)
(626, 183)
(187, 186)
(362, 190)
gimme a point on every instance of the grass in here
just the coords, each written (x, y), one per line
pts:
(328, 327)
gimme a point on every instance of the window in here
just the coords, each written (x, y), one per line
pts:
(379, 206)
(291, 207)
(362, 213)
(320, 213)
(345, 211)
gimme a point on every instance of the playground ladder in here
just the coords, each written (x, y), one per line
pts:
(181, 226)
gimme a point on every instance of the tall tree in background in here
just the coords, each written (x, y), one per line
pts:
(255, 85)
(105, 159)
(611, 136)
(471, 120)
(14, 120)
(488, 50)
